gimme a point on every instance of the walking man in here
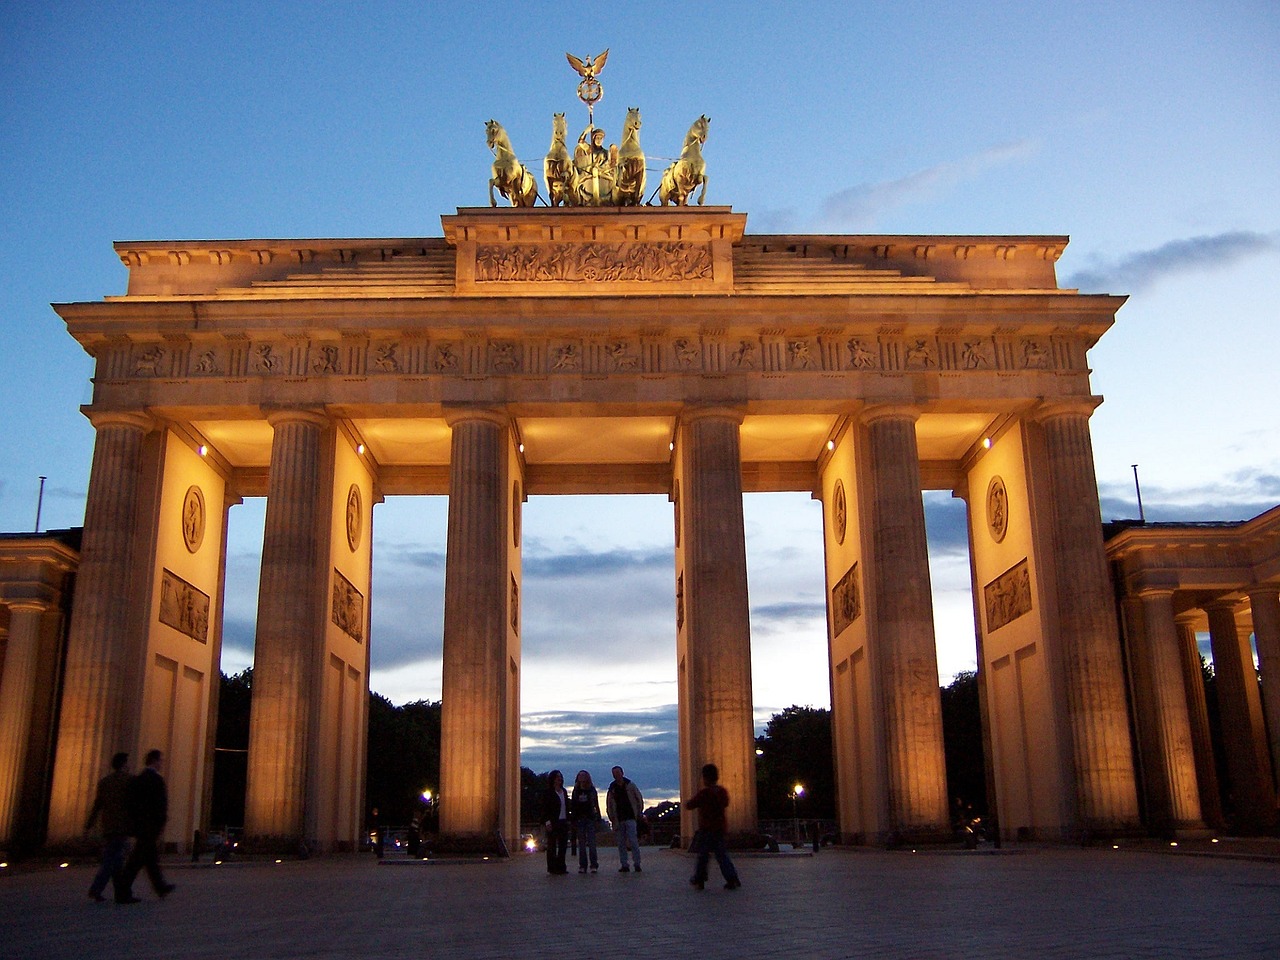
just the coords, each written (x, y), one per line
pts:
(711, 802)
(625, 805)
(148, 801)
(111, 804)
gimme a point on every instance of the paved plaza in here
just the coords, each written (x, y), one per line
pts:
(1024, 903)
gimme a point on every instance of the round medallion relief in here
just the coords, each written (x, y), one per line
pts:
(355, 518)
(997, 509)
(193, 519)
(839, 512)
(515, 513)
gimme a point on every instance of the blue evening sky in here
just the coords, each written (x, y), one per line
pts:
(1148, 132)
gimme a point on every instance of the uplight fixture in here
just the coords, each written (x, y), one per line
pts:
(203, 451)
(986, 443)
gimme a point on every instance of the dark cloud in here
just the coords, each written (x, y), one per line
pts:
(946, 524)
(860, 207)
(1140, 270)
(789, 611)
(643, 743)
(540, 562)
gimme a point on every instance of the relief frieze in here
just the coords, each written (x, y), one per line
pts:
(770, 352)
(347, 608)
(846, 601)
(1008, 596)
(184, 607)
(635, 262)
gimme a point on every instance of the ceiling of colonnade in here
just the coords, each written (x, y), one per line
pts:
(610, 444)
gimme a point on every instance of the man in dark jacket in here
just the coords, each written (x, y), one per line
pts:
(111, 803)
(148, 801)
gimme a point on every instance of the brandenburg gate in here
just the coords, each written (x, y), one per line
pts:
(540, 351)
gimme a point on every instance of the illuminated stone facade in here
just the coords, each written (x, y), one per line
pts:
(532, 352)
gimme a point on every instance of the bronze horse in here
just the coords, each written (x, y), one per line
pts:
(510, 176)
(682, 177)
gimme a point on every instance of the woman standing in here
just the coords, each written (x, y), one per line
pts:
(585, 807)
(555, 817)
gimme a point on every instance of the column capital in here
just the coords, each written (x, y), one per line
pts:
(1267, 591)
(456, 413)
(888, 411)
(119, 418)
(1229, 604)
(1154, 591)
(278, 415)
(725, 411)
(21, 604)
(1050, 408)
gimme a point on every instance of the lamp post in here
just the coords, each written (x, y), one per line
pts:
(796, 793)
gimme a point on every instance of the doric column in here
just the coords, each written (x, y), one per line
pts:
(1198, 717)
(717, 617)
(1173, 795)
(1240, 707)
(102, 685)
(1264, 601)
(1088, 660)
(17, 703)
(905, 654)
(291, 603)
(475, 606)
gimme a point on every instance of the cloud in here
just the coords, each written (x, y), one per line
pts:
(539, 562)
(1143, 269)
(1241, 495)
(642, 742)
(859, 207)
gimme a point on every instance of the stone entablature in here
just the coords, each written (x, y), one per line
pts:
(1198, 558)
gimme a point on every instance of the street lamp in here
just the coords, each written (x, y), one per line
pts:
(796, 793)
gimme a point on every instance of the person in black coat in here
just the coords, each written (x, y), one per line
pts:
(555, 819)
(148, 802)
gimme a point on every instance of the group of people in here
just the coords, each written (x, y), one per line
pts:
(134, 807)
(579, 809)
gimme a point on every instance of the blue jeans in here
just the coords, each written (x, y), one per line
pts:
(625, 832)
(706, 843)
(586, 839)
(113, 855)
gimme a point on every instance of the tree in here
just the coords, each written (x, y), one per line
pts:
(231, 749)
(963, 745)
(404, 757)
(796, 748)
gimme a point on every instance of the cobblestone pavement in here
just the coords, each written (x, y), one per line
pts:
(1023, 903)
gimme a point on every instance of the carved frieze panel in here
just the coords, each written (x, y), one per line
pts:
(565, 356)
(347, 608)
(636, 262)
(474, 354)
(505, 356)
(864, 353)
(846, 601)
(184, 607)
(515, 604)
(1008, 596)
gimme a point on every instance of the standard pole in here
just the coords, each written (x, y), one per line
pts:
(1142, 517)
(40, 503)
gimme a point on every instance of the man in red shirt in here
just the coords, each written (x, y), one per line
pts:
(711, 802)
